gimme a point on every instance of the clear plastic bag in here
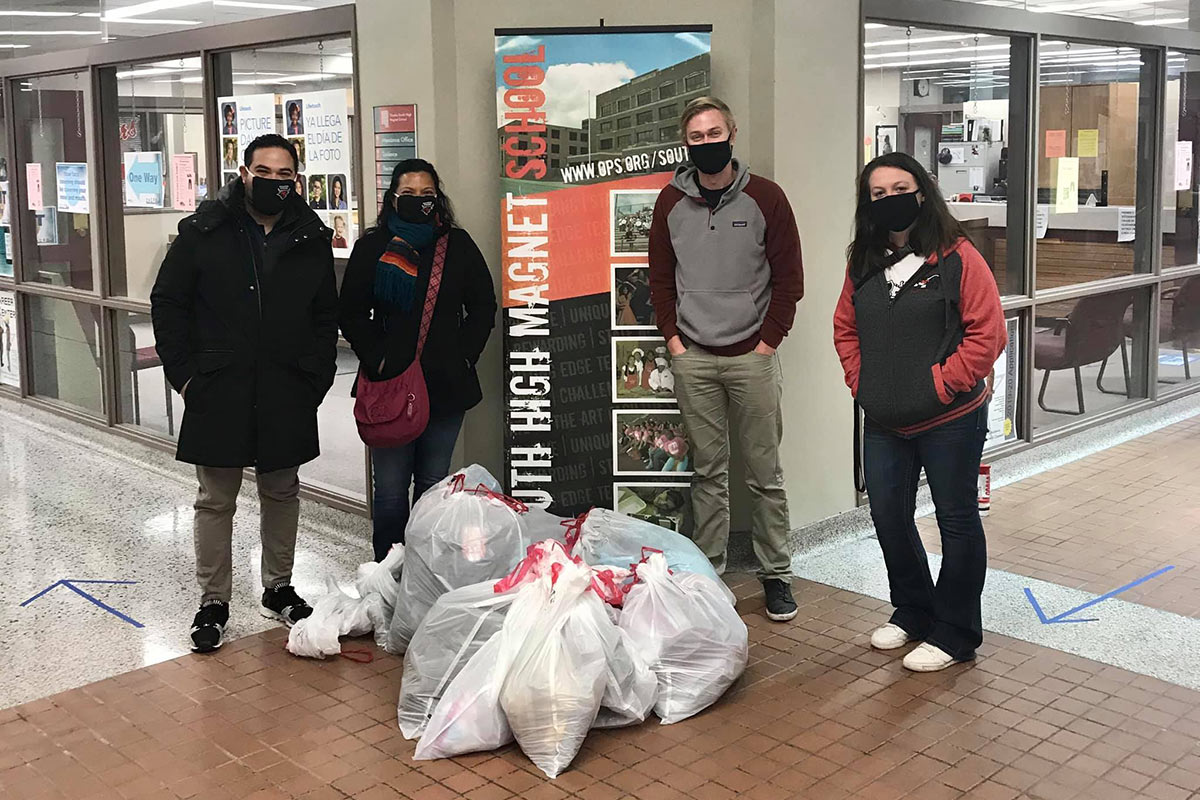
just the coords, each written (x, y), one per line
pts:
(458, 535)
(381, 579)
(556, 682)
(458, 626)
(469, 717)
(689, 635)
(606, 537)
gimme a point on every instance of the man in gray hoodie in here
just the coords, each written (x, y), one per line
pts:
(725, 277)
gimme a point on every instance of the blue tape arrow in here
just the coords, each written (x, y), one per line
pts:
(1062, 618)
(70, 584)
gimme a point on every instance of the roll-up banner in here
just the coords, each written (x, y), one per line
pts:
(588, 132)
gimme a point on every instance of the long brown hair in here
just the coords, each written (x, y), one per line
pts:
(935, 231)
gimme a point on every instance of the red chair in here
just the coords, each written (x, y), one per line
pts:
(1088, 335)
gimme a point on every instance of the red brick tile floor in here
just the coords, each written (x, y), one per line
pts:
(1106, 520)
(818, 714)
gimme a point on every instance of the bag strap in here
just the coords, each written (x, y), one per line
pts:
(431, 294)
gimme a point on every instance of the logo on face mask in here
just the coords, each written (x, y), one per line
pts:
(427, 207)
(283, 191)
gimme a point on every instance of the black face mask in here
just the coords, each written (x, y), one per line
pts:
(268, 195)
(896, 212)
(415, 208)
(711, 157)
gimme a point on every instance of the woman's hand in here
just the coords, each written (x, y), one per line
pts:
(764, 349)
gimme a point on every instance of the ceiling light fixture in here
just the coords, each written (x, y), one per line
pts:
(49, 33)
(262, 6)
(149, 7)
(38, 13)
(1168, 21)
(963, 37)
(120, 21)
(938, 50)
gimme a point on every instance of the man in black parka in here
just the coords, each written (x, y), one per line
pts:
(245, 319)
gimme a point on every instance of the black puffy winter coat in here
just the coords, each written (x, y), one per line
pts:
(252, 333)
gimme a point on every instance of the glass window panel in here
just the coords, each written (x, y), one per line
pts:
(159, 124)
(10, 342)
(943, 98)
(342, 465)
(1089, 355)
(1181, 132)
(64, 340)
(312, 82)
(52, 129)
(1179, 331)
(1087, 167)
(6, 247)
(146, 398)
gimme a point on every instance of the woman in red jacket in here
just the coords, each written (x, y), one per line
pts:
(918, 328)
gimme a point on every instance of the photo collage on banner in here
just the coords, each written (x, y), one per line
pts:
(10, 348)
(587, 125)
(317, 124)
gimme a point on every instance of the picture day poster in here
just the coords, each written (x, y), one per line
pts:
(587, 128)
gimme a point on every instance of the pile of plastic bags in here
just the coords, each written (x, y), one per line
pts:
(518, 625)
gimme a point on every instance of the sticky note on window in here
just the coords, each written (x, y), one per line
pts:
(1087, 143)
(1056, 144)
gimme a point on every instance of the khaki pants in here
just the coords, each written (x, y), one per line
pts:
(745, 393)
(279, 497)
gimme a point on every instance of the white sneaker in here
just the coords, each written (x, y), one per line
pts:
(928, 658)
(889, 637)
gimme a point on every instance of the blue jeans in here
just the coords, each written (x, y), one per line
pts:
(945, 613)
(419, 465)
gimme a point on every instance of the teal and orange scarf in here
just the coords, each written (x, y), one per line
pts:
(396, 270)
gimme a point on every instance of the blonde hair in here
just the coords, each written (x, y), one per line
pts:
(706, 103)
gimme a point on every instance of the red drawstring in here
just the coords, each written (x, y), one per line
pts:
(459, 482)
(574, 529)
(358, 656)
(633, 568)
(513, 503)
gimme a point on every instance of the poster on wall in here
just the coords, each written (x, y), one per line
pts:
(575, 203)
(71, 179)
(318, 124)
(10, 348)
(183, 182)
(241, 119)
(143, 179)
(1002, 411)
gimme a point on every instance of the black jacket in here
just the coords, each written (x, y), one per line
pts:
(462, 320)
(254, 331)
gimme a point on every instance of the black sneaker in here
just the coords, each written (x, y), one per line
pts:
(283, 604)
(780, 605)
(208, 628)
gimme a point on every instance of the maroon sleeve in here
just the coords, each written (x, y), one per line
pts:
(783, 254)
(984, 331)
(663, 262)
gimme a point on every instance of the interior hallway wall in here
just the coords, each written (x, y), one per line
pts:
(794, 87)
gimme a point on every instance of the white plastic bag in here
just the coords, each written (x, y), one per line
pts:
(381, 579)
(335, 614)
(469, 718)
(553, 688)
(631, 688)
(688, 633)
(459, 534)
(458, 626)
(606, 537)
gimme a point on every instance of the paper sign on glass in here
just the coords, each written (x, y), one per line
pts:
(143, 179)
(1126, 223)
(183, 182)
(1041, 221)
(72, 180)
(1087, 144)
(1056, 144)
(1183, 166)
(33, 186)
(1066, 194)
